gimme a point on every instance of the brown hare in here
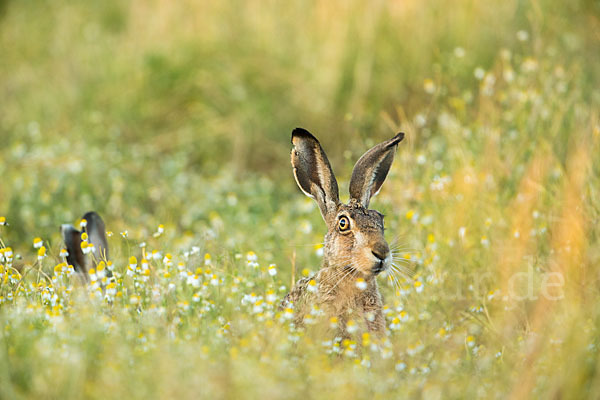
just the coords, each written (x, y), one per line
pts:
(355, 250)
(96, 243)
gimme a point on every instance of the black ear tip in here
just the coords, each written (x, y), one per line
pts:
(395, 140)
(302, 133)
(91, 215)
(94, 220)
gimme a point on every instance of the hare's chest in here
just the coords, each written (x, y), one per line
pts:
(344, 303)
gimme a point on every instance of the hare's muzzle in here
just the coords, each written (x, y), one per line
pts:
(381, 254)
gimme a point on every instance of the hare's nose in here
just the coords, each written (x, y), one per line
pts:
(378, 255)
(380, 251)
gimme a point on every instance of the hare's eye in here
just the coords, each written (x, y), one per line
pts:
(344, 224)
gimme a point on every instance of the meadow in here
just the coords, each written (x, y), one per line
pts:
(172, 120)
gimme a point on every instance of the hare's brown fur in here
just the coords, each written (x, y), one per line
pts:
(340, 301)
(354, 248)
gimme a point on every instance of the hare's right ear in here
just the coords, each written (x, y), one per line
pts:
(72, 240)
(96, 231)
(371, 170)
(313, 172)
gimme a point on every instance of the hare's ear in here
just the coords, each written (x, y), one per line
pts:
(371, 169)
(313, 172)
(72, 240)
(96, 235)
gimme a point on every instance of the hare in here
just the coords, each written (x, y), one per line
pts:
(94, 228)
(355, 250)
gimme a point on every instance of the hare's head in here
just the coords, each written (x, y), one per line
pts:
(354, 240)
(94, 228)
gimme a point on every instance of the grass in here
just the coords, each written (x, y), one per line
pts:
(180, 113)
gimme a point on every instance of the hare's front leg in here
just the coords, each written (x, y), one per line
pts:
(375, 322)
(373, 313)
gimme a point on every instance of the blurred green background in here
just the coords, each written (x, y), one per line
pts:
(131, 107)
(180, 113)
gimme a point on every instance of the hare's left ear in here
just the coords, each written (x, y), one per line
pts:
(371, 170)
(313, 172)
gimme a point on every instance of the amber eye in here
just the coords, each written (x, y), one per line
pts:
(344, 224)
